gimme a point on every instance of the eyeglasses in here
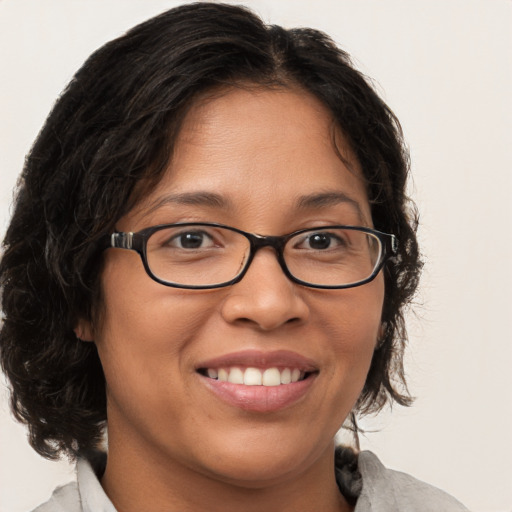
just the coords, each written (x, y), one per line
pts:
(206, 255)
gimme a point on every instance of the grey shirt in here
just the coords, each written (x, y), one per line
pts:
(384, 490)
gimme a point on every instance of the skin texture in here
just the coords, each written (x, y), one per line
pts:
(173, 444)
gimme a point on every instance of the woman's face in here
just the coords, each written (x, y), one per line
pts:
(262, 161)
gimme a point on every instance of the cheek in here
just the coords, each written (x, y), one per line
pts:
(145, 326)
(353, 313)
(144, 343)
(351, 322)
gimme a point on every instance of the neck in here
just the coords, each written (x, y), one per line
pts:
(134, 481)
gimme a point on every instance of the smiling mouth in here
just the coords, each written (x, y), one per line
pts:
(260, 382)
(269, 377)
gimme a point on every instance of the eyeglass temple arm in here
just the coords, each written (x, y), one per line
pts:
(392, 246)
(118, 240)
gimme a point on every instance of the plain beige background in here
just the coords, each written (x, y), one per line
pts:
(444, 66)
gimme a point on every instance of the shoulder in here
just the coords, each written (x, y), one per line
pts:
(64, 499)
(83, 495)
(387, 490)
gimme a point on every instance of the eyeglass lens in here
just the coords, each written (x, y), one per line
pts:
(209, 255)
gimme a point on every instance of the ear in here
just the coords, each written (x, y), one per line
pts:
(83, 330)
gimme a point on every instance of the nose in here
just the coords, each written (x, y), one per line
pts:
(265, 297)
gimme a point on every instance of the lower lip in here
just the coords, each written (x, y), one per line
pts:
(260, 398)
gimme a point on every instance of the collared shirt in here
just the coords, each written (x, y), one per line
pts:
(383, 490)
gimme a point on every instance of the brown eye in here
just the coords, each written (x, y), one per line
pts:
(320, 241)
(191, 240)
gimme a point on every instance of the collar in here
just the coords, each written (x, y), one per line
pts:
(92, 495)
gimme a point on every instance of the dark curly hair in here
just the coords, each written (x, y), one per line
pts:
(108, 141)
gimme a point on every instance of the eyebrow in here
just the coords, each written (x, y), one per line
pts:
(200, 198)
(314, 201)
(326, 199)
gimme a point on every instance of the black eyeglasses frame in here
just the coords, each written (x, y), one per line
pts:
(137, 241)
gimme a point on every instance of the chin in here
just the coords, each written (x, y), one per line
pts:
(257, 474)
(257, 464)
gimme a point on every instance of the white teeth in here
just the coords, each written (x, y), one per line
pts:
(212, 373)
(252, 377)
(295, 374)
(286, 376)
(271, 377)
(236, 376)
(256, 377)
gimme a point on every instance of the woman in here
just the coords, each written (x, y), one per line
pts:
(210, 253)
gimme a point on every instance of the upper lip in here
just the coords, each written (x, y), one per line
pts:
(259, 359)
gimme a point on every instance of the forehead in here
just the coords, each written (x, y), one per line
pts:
(256, 148)
(261, 117)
